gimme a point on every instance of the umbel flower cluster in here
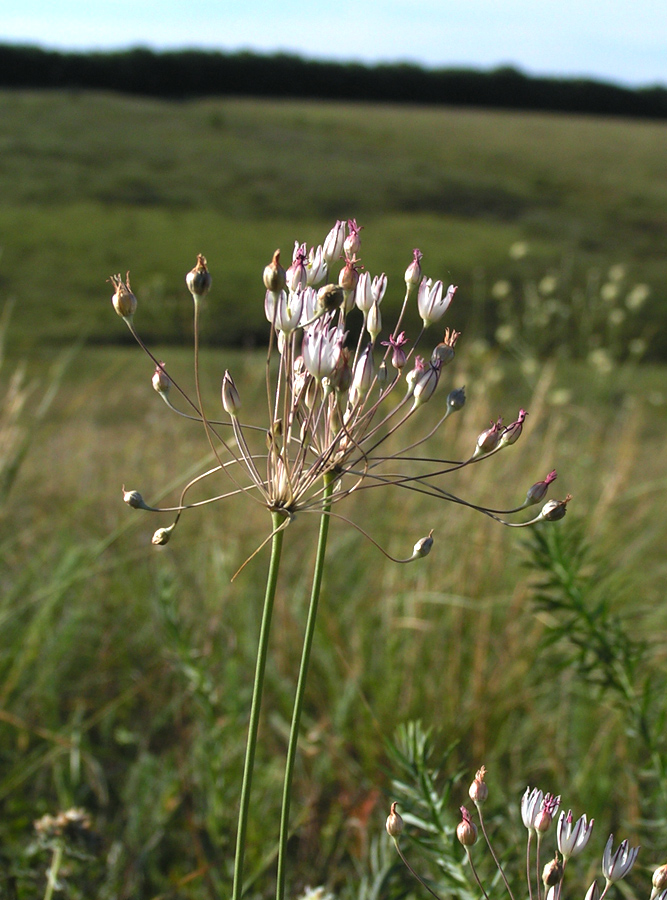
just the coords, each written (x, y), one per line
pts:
(335, 404)
(545, 873)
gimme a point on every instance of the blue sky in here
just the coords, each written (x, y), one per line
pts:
(614, 40)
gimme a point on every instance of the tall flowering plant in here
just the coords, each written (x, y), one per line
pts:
(334, 408)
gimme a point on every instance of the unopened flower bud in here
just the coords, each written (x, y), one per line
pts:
(552, 873)
(330, 297)
(659, 881)
(554, 510)
(415, 374)
(333, 243)
(539, 489)
(466, 830)
(274, 275)
(161, 381)
(394, 824)
(352, 243)
(479, 791)
(374, 321)
(317, 267)
(423, 546)
(341, 377)
(198, 279)
(364, 373)
(512, 433)
(426, 383)
(296, 277)
(363, 294)
(456, 399)
(124, 301)
(543, 821)
(546, 812)
(444, 351)
(231, 400)
(593, 893)
(488, 440)
(349, 275)
(413, 273)
(162, 535)
(133, 499)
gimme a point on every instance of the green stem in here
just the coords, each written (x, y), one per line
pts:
(493, 853)
(253, 727)
(301, 685)
(418, 877)
(54, 868)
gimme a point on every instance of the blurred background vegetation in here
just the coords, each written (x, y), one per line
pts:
(125, 671)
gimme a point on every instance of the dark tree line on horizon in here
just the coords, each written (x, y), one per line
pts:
(198, 73)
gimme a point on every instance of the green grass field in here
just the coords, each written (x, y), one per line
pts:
(125, 669)
(95, 184)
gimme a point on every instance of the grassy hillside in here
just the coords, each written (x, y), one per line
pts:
(94, 184)
(125, 669)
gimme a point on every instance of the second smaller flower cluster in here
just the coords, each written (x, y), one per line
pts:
(538, 812)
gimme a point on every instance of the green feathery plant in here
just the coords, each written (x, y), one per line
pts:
(579, 595)
(335, 410)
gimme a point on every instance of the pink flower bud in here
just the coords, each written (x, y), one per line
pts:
(488, 440)
(547, 811)
(538, 491)
(352, 243)
(512, 433)
(398, 357)
(466, 830)
(415, 374)
(413, 273)
(296, 276)
(161, 381)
